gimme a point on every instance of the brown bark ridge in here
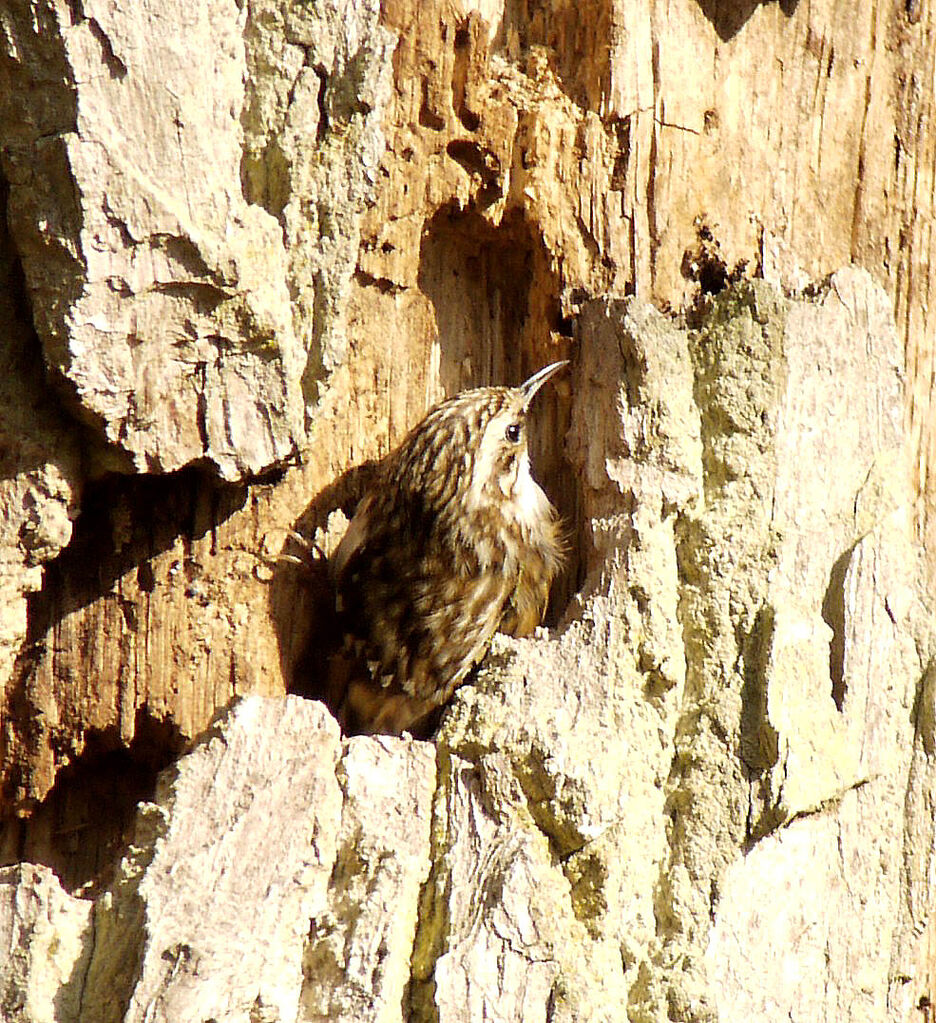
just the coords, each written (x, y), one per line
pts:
(244, 247)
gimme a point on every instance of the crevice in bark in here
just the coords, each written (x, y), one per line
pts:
(431, 936)
(759, 739)
(95, 594)
(496, 296)
(81, 829)
(302, 600)
(833, 614)
(40, 387)
(468, 40)
(705, 264)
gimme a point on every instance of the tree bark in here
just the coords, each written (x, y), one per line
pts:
(244, 247)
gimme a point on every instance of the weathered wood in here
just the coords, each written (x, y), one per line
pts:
(244, 247)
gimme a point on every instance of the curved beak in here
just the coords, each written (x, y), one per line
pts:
(531, 386)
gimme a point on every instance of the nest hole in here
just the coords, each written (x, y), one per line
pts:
(499, 318)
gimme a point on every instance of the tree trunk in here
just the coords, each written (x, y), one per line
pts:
(245, 247)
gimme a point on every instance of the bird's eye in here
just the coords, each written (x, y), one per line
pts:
(512, 433)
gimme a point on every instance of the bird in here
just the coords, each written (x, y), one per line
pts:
(453, 541)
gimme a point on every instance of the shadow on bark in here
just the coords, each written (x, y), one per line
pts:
(81, 829)
(94, 594)
(728, 17)
(302, 600)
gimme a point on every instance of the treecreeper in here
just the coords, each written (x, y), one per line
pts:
(453, 541)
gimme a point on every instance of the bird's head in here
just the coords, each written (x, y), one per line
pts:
(470, 454)
(501, 462)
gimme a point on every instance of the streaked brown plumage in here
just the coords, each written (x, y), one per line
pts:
(454, 541)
